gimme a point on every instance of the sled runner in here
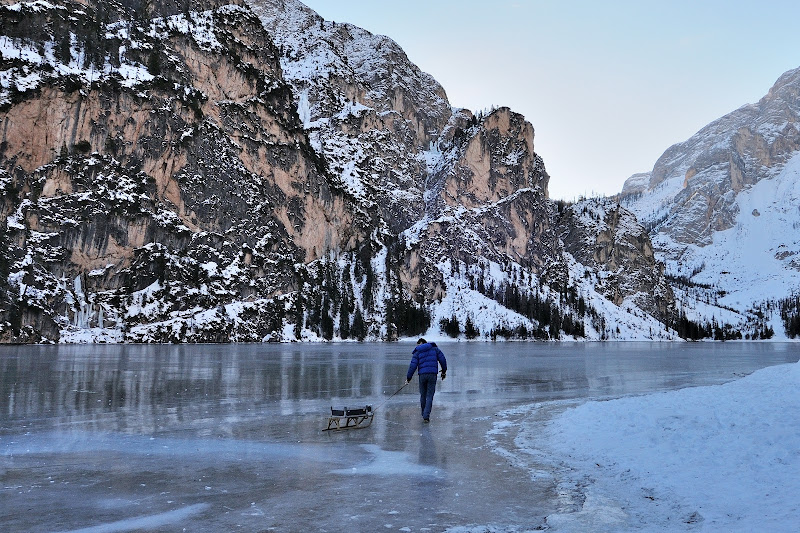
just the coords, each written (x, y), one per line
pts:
(348, 418)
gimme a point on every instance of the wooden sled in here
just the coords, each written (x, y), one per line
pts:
(348, 418)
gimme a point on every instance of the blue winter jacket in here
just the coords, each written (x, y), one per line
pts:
(426, 358)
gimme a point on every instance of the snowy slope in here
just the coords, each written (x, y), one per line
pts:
(757, 259)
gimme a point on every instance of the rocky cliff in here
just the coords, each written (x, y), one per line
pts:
(251, 172)
(602, 235)
(698, 180)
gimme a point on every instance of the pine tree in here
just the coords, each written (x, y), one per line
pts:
(450, 326)
(391, 324)
(555, 323)
(63, 51)
(154, 61)
(359, 328)
(299, 316)
(326, 321)
(369, 284)
(9, 295)
(470, 331)
(344, 317)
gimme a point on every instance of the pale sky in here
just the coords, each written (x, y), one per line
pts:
(608, 85)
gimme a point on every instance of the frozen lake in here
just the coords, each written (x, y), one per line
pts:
(228, 437)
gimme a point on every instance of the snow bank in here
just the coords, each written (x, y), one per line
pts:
(718, 458)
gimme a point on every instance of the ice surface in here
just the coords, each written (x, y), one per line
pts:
(229, 437)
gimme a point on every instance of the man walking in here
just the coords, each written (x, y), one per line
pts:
(426, 359)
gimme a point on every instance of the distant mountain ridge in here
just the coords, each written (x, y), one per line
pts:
(722, 207)
(213, 172)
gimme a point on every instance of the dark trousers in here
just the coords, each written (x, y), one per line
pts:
(427, 388)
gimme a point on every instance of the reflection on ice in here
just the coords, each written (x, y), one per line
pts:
(145, 522)
(386, 463)
(215, 450)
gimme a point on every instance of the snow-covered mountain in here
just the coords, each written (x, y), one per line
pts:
(722, 207)
(248, 171)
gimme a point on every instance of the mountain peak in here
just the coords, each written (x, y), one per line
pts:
(333, 63)
(787, 85)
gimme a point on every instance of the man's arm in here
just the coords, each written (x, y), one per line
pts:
(412, 367)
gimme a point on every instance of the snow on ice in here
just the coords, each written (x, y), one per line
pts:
(383, 463)
(716, 458)
(151, 521)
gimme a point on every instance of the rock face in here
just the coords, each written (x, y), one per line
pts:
(702, 196)
(636, 184)
(602, 235)
(195, 181)
(251, 172)
(696, 182)
(487, 179)
(365, 106)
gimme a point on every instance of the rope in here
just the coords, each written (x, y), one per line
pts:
(395, 393)
(392, 396)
